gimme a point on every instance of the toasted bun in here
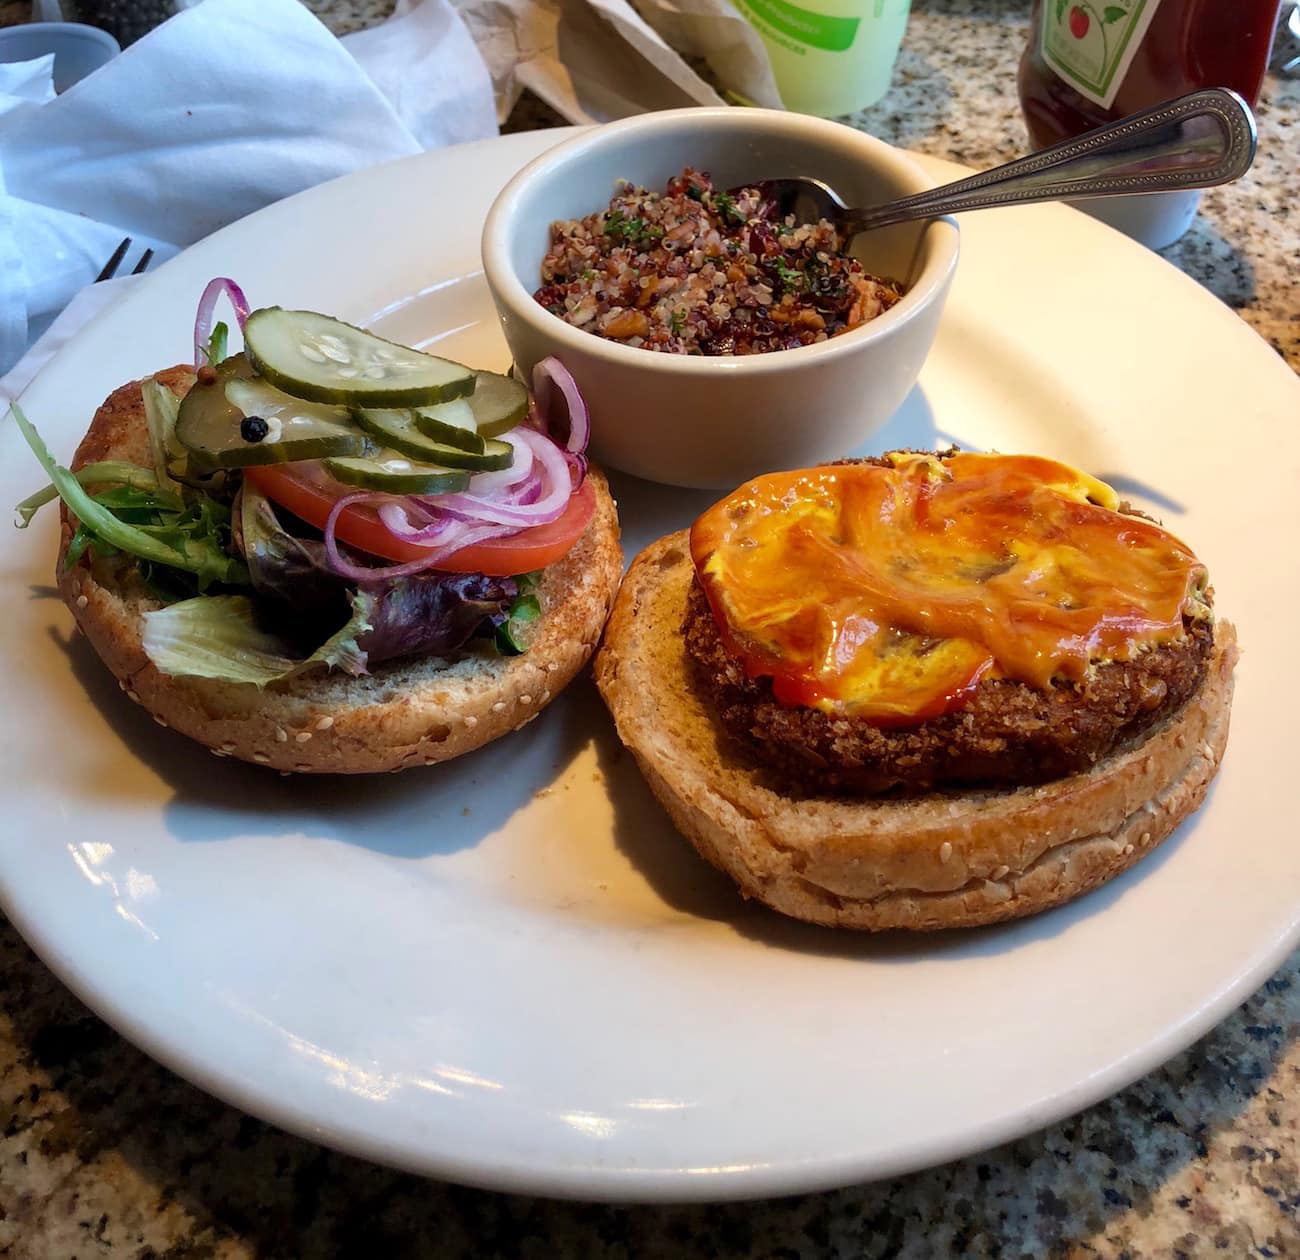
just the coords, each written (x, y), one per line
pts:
(401, 714)
(951, 859)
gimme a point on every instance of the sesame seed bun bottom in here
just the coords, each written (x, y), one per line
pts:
(949, 859)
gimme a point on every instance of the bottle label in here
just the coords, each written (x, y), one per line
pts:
(784, 22)
(1091, 43)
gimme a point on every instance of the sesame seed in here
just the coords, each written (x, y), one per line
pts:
(218, 752)
(132, 694)
(302, 736)
(227, 749)
(525, 699)
(1145, 838)
(1001, 872)
(1128, 848)
(546, 694)
(160, 721)
(281, 735)
(500, 704)
(1208, 751)
(945, 851)
(1180, 740)
(121, 682)
(1150, 807)
(471, 721)
(431, 761)
(302, 765)
(261, 757)
(552, 666)
(323, 724)
(284, 774)
(82, 601)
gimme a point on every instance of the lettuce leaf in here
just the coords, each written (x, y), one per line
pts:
(107, 472)
(189, 539)
(217, 636)
(432, 614)
(525, 609)
(161, 408)
(283, 566)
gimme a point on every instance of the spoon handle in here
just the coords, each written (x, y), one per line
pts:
(1195, 141)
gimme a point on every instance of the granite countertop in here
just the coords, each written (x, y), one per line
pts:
(104, 1153)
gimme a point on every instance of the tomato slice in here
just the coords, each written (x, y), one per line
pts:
(306, 490)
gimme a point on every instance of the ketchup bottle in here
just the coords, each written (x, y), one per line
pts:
(1089, 62)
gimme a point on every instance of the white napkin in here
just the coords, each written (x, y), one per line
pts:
(715, 31)
(226, 107)
(596, 60)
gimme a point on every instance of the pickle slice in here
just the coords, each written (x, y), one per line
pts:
(450, 422)
(498, 403)
(211, 424)
(398, 430)
(321, 359)
(392, 473)
(206, 417)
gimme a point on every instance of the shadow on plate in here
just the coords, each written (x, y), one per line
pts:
(648, 510)
(424, 811)
(912, 426)
(691, 886)
(1136, 488)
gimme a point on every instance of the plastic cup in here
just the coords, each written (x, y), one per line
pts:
(77, 49)
(829, 57)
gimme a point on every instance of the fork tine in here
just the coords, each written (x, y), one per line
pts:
(111, 266)
(145, 260)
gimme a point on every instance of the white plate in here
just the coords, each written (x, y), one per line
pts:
(511, 971)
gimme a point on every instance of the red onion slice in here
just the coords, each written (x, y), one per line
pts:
(549, 376)
(447, 533)
(556, 485)
(365, 573)
(203, 321)
(520, 466)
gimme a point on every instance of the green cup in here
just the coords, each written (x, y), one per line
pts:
(830, 57)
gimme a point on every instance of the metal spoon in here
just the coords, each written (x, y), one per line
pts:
(1195, 141)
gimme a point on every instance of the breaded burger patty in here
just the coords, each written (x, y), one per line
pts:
(1009, 733)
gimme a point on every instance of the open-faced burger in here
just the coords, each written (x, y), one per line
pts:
(329, 552)
(923, 691)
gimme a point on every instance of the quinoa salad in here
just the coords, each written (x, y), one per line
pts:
(696, 270)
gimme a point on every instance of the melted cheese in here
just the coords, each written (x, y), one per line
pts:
(889, 592)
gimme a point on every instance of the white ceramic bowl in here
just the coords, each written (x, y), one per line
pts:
(714, 421)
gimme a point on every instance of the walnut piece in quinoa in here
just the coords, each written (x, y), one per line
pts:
(696, 270)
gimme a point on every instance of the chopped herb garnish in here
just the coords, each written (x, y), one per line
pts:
(790, 277)
(724, 204)
(677, 322)
(634, 231)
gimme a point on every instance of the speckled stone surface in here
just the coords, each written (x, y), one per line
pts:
(103, 1153)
